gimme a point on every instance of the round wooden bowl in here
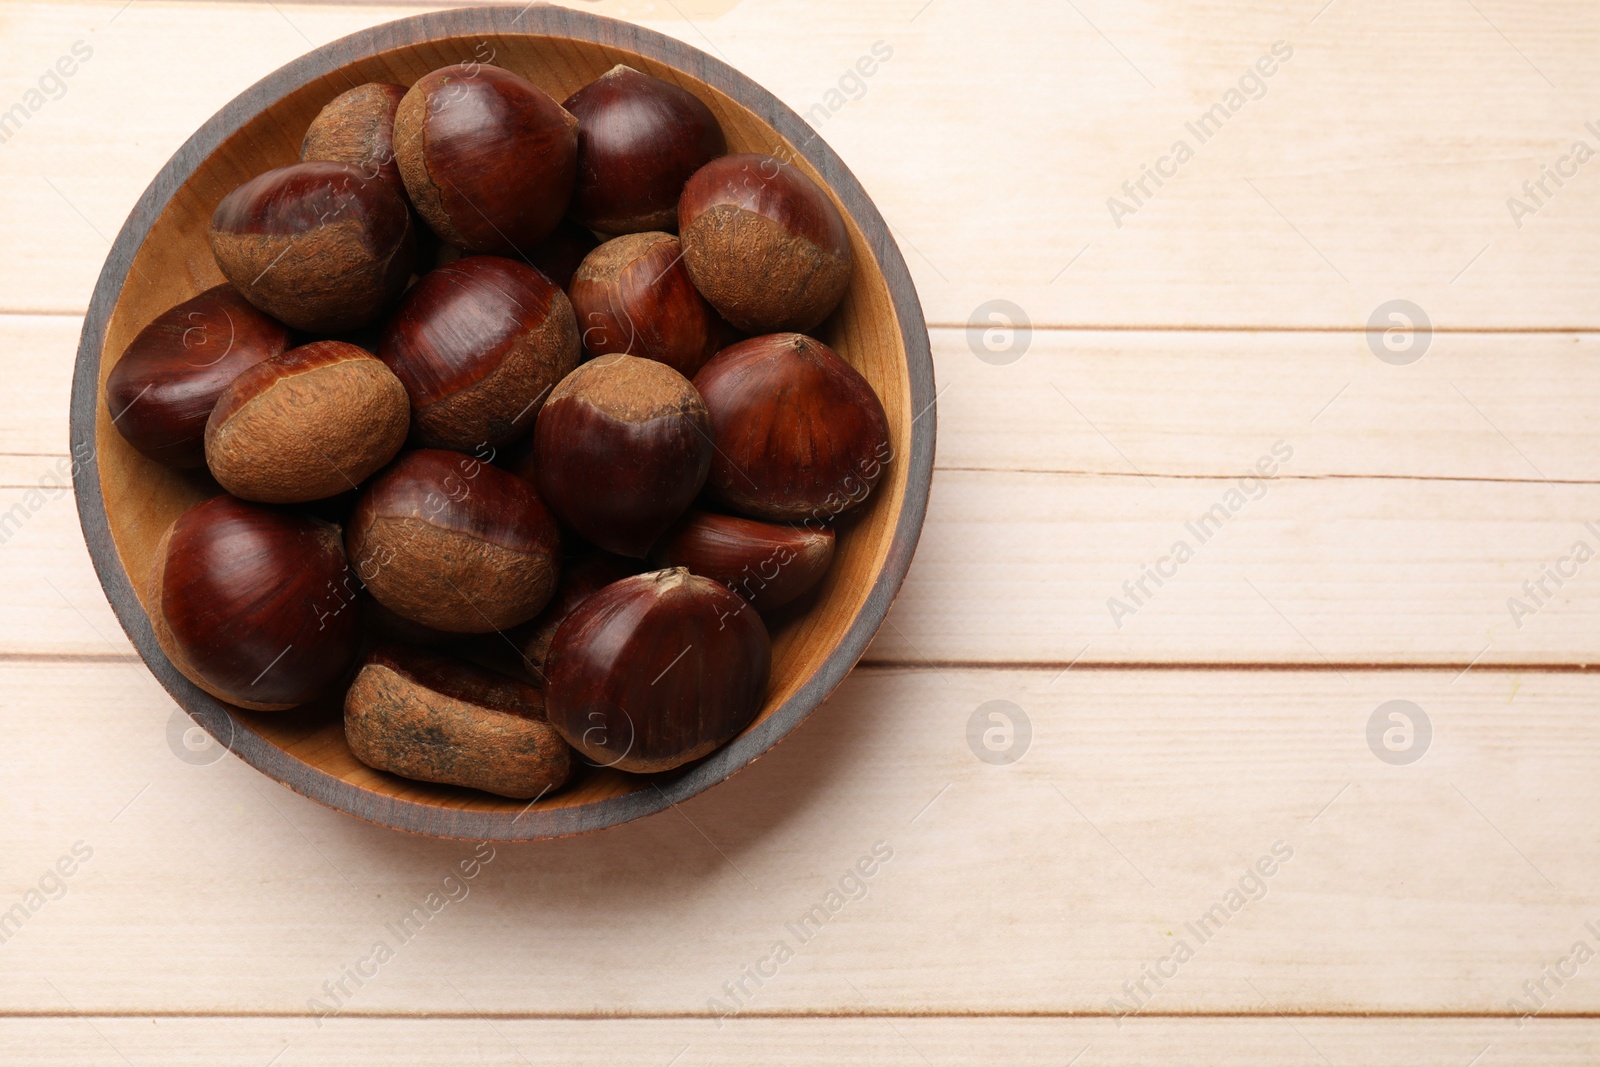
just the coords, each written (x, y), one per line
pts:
(161, 257)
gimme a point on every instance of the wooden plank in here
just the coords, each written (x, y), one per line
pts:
(51, 603)
(1132, 403)
(251, 1042)
(1019, 567)
(35, 388)
(1031, 567)
(1140, 801)
(1495, 406)
(1377, 163)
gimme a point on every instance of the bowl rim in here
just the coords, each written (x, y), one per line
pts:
(415, 816)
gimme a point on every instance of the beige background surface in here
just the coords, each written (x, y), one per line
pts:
(1226, 316)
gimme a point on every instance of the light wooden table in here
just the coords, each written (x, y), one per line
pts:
(1415, 910)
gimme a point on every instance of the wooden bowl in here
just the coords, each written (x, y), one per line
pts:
(161, 257)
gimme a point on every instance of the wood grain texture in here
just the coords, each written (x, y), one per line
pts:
(1378, 163)
(1261, 1042)
(1441, 886)
(1308, 571)
(1489, 407)
(1025, 566)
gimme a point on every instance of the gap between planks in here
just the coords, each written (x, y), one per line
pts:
(909, 1013)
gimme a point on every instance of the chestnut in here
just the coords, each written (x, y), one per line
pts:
(357, 126)
(764, 244)
(580, 579)
(311, 423)
(254, 606)
(320, 245)
(448, 541)
(478, 344)
(423, 715)
(656, 670)
(487, 156)
(639, 140)
(632, 295)
(557, 256)
(163, 388)
(800, 434)
(769, 564)
(621, 449)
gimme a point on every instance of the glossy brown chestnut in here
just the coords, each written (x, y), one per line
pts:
(319, 246)
(800, 434)
(657, 670)
(632, 295)
(446, 540)
(357, 126)
(558, 255)
(580, 579)
(769, 564)
(252, 605)
(422, 715)
(162, 390)
(312, 423)
(487, 156)
(478, 344)
(763, 243)
(621, 449)
(639, 140)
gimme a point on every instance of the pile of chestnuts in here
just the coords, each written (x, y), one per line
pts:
(491, 372)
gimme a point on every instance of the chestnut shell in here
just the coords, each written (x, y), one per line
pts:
(632, 295)
(657, 670)
(433, 718)
(357, 127)
(453, 543)
(621, 449)
(309, 424)
(487, 156)
(319, 246)
(254, 606)
(580, 579)
(800, 433)
(478, 344)
(769, 564)
(764, 243)
(162, 389)
(639, 140)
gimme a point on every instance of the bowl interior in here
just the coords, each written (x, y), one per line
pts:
(174, 263)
